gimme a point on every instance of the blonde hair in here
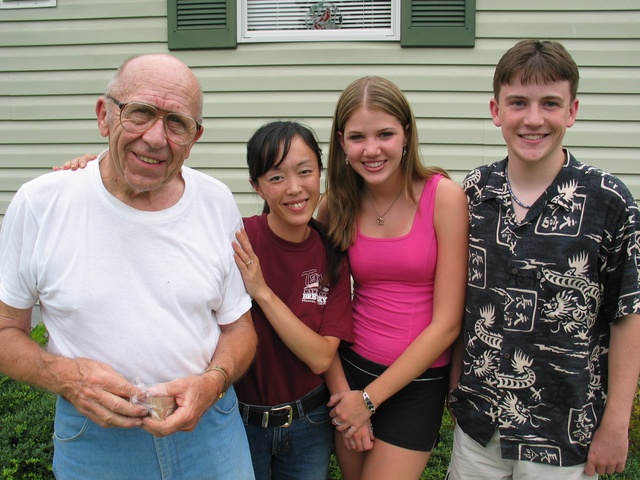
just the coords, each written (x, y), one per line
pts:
(344, 186)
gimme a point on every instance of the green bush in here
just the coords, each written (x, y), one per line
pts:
(26, 429)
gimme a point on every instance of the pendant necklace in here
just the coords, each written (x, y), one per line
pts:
(515, 199)
(380, 219)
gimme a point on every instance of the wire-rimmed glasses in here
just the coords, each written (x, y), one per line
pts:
(138, 117)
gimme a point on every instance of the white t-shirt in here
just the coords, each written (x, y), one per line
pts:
(141, 291)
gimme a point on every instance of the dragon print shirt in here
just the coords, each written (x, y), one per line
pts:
(541, 296)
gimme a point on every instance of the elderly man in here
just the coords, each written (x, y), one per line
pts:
(132, 264)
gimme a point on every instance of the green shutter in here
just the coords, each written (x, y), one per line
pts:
(196, 24)
(438, 23)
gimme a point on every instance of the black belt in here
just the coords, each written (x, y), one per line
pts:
(282, 415)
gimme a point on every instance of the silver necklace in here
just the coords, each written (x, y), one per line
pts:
(515, 199)
(380, 219)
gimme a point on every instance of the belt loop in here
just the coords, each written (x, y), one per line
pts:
(265, 419)
(300, 408)
(245, 413)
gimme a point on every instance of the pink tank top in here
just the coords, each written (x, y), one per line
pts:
(393, 285)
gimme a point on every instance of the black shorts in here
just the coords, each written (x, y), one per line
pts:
(411, 418)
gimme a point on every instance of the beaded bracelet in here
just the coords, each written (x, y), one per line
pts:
(368, 402)
(221, 369)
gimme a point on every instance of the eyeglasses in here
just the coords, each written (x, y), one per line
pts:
(137, 117)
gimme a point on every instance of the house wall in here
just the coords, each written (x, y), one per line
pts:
(54, 62)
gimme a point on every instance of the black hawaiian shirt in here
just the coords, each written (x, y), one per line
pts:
(541, 296)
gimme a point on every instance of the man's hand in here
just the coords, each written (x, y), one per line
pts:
(99, 393)
(194, 395)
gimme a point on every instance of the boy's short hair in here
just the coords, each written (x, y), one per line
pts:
(539, 62)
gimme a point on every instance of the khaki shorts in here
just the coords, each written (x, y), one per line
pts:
(472, 461)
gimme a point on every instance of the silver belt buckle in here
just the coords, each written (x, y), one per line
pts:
(287, 408)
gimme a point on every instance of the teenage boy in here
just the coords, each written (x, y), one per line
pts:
(550, 353)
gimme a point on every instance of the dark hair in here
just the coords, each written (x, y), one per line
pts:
(269, 145)
(266, 149)
(538, 62)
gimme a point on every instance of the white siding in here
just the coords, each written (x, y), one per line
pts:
(54, 62)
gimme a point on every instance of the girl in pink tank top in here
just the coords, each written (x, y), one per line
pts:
(405, 228)
(393, 298)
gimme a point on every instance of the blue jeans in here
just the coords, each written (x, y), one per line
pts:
(216, 449)
(300, 451)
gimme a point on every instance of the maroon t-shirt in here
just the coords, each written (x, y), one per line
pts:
(293, 271)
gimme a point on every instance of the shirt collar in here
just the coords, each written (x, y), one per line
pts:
(558, 193)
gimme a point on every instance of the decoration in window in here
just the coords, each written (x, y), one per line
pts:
(323, 16)
(329, 20)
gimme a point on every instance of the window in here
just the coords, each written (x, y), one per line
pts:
(198, 24)
(27, 3)
(294, 20)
